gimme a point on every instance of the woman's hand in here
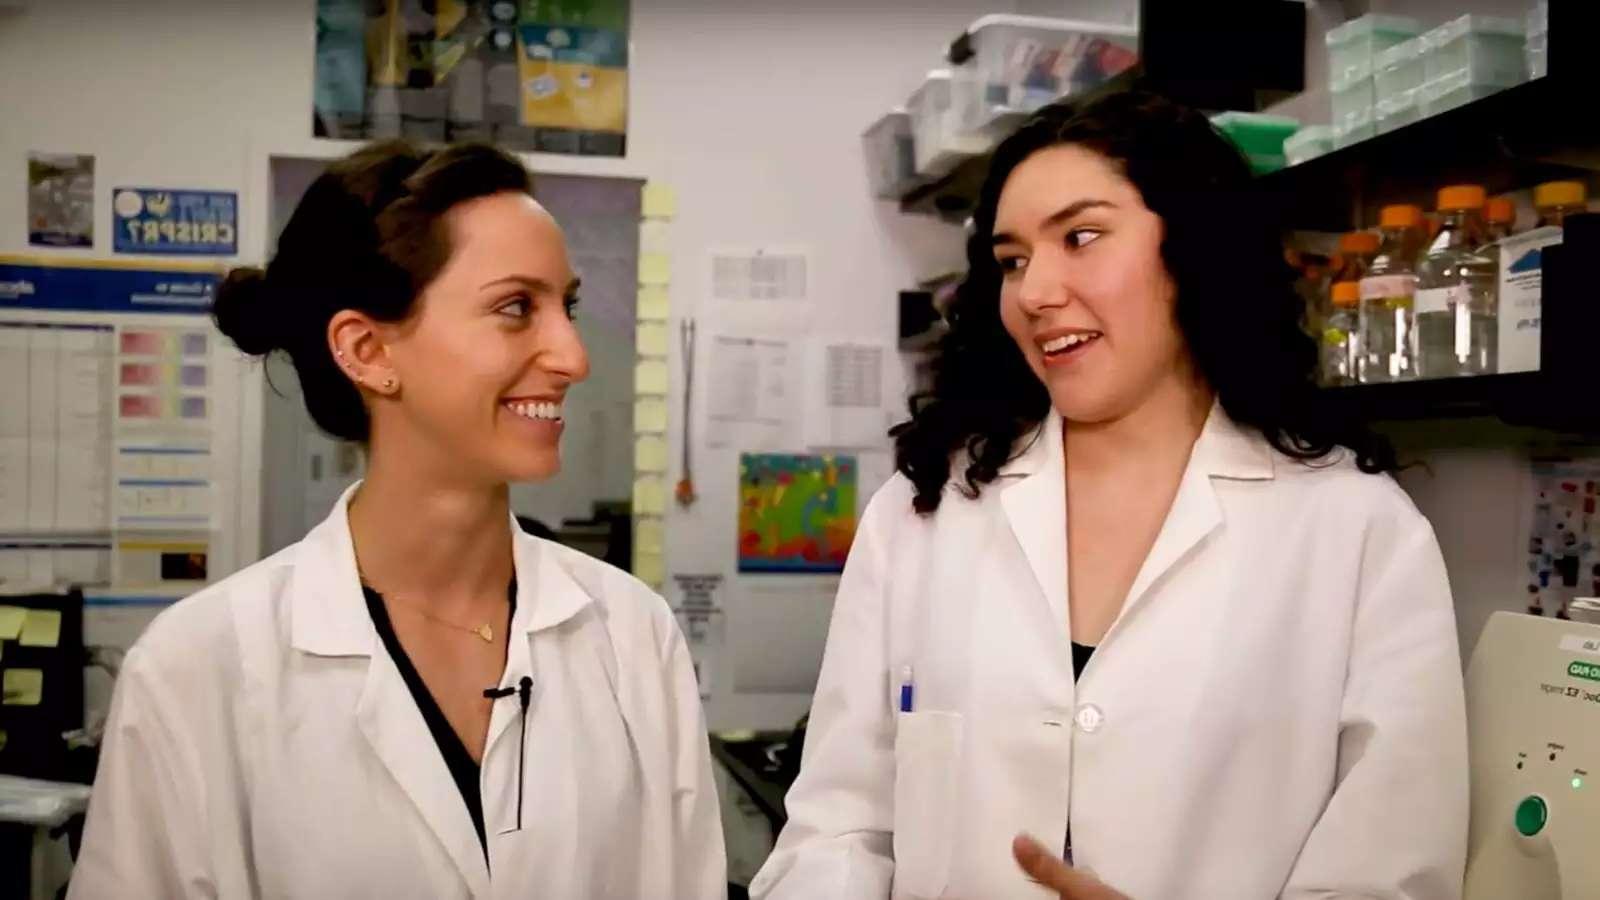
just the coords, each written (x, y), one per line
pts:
(1047, 869)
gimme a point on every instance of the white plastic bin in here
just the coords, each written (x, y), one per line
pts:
(1488, 48)
(1538, 48)
(1399, 69)
(891, 163)
(1355, 129)
(1352, 46)
(938, 144)
(1009, 64)
(1399, 111)
(1352, 102)
(1452, 91)
(1309, 142)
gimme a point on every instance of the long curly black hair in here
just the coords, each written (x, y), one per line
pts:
(1236, 306)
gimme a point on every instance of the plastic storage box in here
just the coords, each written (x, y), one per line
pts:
(1537, 52)
(1309, 142)
(1488, 49)
(1259, 137)
(938, 144)
(891, 163)
(1355, 129)
(1399, 69)
(1399, 110)
(1352, 46)
(1353, 102)
(1008, 65)
(1452, 91)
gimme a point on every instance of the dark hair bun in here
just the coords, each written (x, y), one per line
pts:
(243, 311)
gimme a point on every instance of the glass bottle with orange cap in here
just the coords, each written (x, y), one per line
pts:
(1555, 200)
(1341, 335)
(1499, 219)
(1388, 348)
(1457, 316)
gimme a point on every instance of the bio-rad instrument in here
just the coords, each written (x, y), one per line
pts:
(1533, 713)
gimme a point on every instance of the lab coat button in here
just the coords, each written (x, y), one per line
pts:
(1089, 718)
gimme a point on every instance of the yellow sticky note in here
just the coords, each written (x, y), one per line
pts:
(41, 628)
(650, 568)
(649, 496)
(652, 339)
(655, 268)
(11, 618)
(650, 414)
(653, 304)
(650, 453)
(653, 237)
(650, 377)
(658, 201)
(649, 536)
(22, 687)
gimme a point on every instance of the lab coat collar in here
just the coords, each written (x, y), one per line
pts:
(1033, 495)
(330, 614)
(1225, 449)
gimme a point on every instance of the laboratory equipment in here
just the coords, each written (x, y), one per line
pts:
(1398, 111)
(1353, 45)
(1555, 200)
(1260, 137)
(1341, 335)
(886, 145)
(1309, 142)
(1354, 111)
(1469, 58)
(1456, 312)
(1537, 51)
(938, 143)
(1533, 719)
(1398, 69)
(1006, 66)
(1388, 339)
(1499, 219)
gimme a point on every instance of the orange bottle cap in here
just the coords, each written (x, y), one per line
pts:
(1461, 196)
(1346, 293)
(1559, 193)
(1359, 242)
(1401, 215)
(1500, 210)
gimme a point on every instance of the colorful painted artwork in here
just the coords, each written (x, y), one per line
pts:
(797, 514)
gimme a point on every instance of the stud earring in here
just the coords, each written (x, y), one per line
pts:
(388, 384)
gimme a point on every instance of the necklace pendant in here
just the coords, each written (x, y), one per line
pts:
(485, 632)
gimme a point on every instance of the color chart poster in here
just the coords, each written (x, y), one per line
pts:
(549, 76)
(797, 513)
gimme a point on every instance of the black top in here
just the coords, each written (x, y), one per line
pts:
(1080, 658)
(463, 769)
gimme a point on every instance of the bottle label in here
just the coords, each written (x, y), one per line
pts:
(1438, 300)
(1379, 287)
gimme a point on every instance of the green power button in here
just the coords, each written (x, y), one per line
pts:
(1532, 814)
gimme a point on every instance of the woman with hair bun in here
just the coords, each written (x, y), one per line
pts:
(1135, 597)
(418, 699)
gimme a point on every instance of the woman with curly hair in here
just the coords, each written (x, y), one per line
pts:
(1133, 594)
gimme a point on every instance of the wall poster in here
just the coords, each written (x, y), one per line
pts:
(797, 513)
(548, 76)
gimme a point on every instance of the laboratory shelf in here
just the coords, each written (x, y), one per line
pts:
(1529, 399)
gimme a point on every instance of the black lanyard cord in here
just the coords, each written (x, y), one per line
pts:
(524, 694)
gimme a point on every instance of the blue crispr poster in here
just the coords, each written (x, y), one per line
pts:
(184, 223)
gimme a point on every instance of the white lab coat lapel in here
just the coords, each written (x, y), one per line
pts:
(547, 596)
(1223, 450)
(331, 619)
(1034, 496)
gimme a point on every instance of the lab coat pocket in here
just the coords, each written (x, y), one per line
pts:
(927, 761)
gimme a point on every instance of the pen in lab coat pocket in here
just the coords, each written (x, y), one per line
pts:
(907, 689)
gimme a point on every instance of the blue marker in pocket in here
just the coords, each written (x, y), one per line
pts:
(907, 689)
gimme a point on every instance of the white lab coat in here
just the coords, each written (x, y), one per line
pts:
(1276, 712)
(262, 744)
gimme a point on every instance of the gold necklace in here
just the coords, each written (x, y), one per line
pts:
(484, 631)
